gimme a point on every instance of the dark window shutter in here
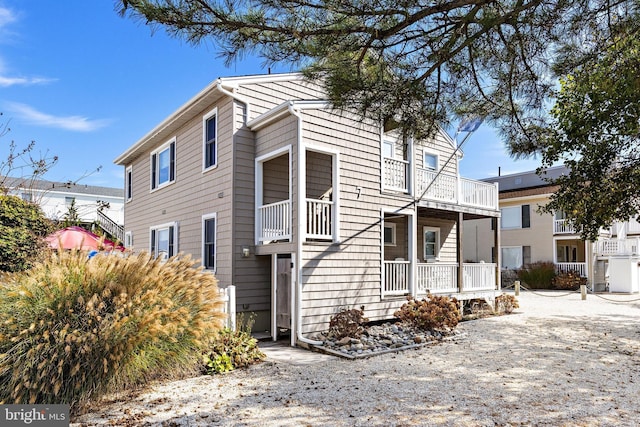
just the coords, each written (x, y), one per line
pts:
(172, 166)
(153, 170)
(171, 241)
(526, 255)
(153, 242)
(493, 223)
(493, 254)
(129, 185)
(526, 216)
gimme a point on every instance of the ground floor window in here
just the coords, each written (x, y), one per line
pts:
(431, 242)
(514, 257)
(163, 241)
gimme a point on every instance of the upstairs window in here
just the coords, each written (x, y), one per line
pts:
(430, 161)
(163, 241)
(210, 138)
(163, 165)
(387, 149)
(389, 234)
(128, 184)
(515, 217)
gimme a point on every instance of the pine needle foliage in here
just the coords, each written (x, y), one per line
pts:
(73, 328)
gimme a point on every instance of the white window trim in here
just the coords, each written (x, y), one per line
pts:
(128, 176)
(206, 117)
(213, 216)
(166, 145)
(393, 148)
(392, 226)
(173, 224)
(437, 242)
(128, 240)
(425, 153)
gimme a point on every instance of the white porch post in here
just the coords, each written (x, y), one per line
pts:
(274, 296)
(460, 254)
(413, 251)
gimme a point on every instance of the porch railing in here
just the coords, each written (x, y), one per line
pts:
(396, 278)
(395, 174)
(479, 277)
(437, 278)
(319, 219)
(441, 187)
(608, 247)
(565, 267)
(228, 296)
(274, 221)
(562, 226)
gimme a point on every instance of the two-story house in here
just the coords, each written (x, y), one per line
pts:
(528, 236)
(306, 210)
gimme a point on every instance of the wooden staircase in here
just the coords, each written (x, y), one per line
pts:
(110, 226)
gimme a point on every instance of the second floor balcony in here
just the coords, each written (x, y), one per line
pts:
(439, 186)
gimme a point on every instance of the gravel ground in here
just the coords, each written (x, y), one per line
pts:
(557, 361)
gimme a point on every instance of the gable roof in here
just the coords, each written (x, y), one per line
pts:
(14, 183)
(527, 180)
(217, 89)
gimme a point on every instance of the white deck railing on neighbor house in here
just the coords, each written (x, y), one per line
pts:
(228, 295)
(274, 221)
(565, 267)
(562, 226)
(396, 277)
(608, 247)
(438, 277)
(319, 219)
(479, 277)
(395, 174)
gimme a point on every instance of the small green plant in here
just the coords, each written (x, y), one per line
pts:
(538, 275)
(231, 350)
(436, 312)
(570, 280)
(72, 328)
(347, 323)
(506, 303)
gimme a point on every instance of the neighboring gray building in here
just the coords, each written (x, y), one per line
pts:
(304, 209)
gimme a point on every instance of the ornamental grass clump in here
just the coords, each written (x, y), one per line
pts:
(434, 313)
(73, 328)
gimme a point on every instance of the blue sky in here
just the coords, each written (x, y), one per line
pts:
(85, 84)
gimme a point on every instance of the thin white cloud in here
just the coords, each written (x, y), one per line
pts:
(6, 81)
(6, 16)
(38, 118)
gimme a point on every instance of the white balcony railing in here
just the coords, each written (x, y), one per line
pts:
(396, 278)
(274, 221)
(562, 226)
(565, 267)
(395, 174)
(319, 219)
(452, 189)
(609, 247)
(478, 194)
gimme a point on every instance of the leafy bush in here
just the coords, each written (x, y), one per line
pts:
(570, 280)
(231, 350)
(72, 328)
(538, 275)
(347, 323)
(23, 227)
(437, 312)
(506, 303)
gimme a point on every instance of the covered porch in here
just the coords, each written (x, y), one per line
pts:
(423, 255)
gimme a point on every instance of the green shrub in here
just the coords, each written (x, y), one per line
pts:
(506, 303)
(347, 323)
(72, 328)
(538, 275)
(231, 350)
(570, 280)
(23, 227)
(436, 312)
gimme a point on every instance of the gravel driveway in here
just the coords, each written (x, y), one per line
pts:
(555, 361)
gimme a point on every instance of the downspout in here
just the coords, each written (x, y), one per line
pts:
(236, 97)
(301, 225)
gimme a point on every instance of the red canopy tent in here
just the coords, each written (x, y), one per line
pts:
(79, 238)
